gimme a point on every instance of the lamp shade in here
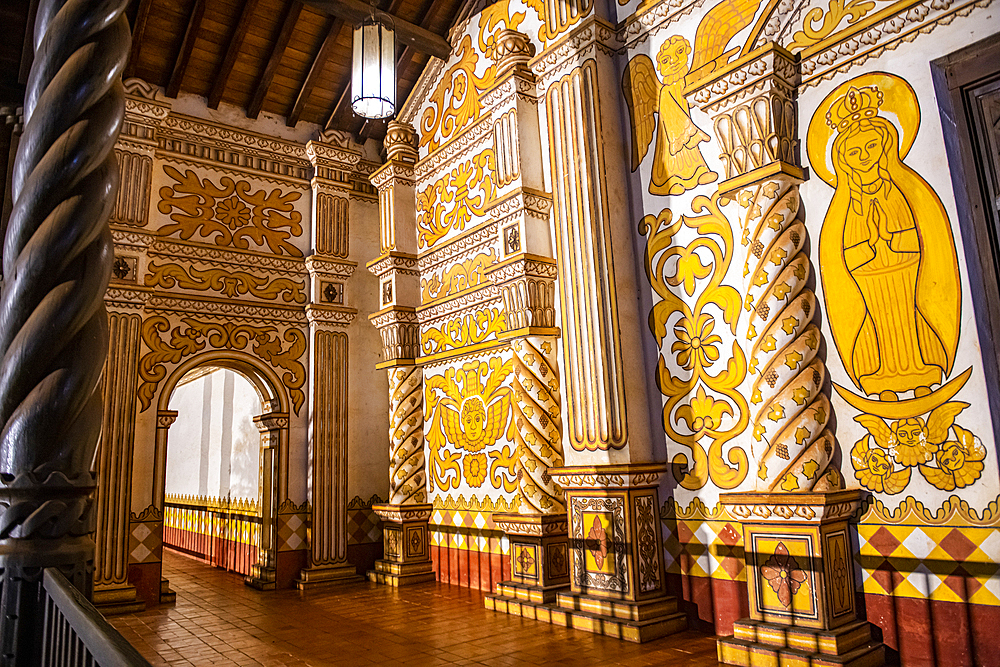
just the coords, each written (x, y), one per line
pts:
(373, 82)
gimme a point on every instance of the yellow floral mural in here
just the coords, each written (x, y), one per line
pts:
(229, 214)
(703, 403)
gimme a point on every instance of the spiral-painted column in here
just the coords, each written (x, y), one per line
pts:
(792, 446)
(405, 532)
(539, 428)
(797, 519)
(53, 323)
(407, 474)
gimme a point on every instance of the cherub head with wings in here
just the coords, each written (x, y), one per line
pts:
(475, 408)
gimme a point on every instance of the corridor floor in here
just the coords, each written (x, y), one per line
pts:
(219, 621)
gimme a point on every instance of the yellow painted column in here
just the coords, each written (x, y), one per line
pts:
(405, 536)
(796, 524)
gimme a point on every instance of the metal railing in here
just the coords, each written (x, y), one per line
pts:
(224, 532)
(75, 634)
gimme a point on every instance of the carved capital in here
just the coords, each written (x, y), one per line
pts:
(400, 142)
(165, 418)
(271, 421)
(527, 283)
(752, 105)
(513, 50)
(400, 332)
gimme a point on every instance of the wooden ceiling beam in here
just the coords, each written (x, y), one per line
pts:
(187, 46)
(232, 53)
(342, 99)
(292, 12)
(318, 63)
(138, 30)
(408, 34)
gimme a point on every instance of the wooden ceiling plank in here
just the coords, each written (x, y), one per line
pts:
(232, 53)
(314, 71)
(137, 34)
(355, 11)
(187, 46)
(287, 26)
(342, 99)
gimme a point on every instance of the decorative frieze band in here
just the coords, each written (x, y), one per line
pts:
(609, 476)
(782, 508)
(481, 131)
(396, 262)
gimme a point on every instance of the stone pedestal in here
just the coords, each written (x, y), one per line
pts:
(263, 574)
(407, 545)
(539, 558)
(615, 549)
(801, 583)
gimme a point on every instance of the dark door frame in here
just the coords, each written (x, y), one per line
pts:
(955, 76)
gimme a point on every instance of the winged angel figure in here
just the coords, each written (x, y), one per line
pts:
(678, 164)
(883, 458)
(472, 414)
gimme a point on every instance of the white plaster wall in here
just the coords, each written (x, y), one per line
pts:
(213, 447)
(368, 387)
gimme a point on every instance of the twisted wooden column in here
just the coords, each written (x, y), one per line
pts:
(792, 445)
(53, 323)
(407, 472)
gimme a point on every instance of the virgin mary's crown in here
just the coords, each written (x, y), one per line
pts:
(857, 105)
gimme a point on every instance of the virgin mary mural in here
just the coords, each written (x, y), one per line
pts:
(887, 255)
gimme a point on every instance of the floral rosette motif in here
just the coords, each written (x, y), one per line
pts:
(783, 574)
(475, 467)
(948, 456)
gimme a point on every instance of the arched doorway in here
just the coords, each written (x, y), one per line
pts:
(218, 474)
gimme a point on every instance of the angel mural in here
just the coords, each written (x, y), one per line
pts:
(678, 164)
(947, 455)
(472, 414)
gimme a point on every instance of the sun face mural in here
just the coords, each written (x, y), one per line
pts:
(678, 165)
(469, 409)
(888, 255)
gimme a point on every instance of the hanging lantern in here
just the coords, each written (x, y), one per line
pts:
(373, 84)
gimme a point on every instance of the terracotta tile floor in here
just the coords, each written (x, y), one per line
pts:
(219, 621)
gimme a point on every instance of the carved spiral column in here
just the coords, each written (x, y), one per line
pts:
(407, 472)
(53, 323)
(405, 536)
(539, 427)
(791, 443)
(797, 521)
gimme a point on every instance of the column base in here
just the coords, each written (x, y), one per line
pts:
(167, 596)
(401, 574)
(262, 577)
(117, 600)
(761, 644)
(632, 621)
(327, 575)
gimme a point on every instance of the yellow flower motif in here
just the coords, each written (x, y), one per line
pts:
(689, 270)
(695, 344)
(475, 466)
(704, 413)
(233, 213)
(909, 444)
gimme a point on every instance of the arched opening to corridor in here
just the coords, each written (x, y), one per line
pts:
(221, 462)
